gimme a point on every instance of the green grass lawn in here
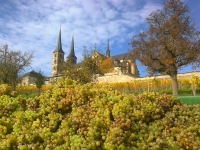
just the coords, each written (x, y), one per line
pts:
(190, 100)
(29, 95)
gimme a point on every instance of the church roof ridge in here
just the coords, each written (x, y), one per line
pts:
(123, 56)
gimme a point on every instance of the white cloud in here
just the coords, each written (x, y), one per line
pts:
(111, 14)
(34, 25)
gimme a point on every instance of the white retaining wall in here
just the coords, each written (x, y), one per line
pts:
(114, 77)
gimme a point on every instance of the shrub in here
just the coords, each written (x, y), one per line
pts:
(5, 89)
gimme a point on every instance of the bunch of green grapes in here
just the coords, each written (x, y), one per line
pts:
(8, 105)
(32, 104)
(73, 116)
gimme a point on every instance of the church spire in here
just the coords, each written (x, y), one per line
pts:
(71, 57)
(108, 49)
(58, 57)
(59, 44)
(72, 53)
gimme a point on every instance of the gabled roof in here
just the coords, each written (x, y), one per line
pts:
(31, 74)
(59, 44)
(124, 56)
(98, 53)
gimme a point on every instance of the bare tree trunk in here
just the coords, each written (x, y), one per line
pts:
(174, 84)
(193, 89)
(14, 85)
(14, 81)
(39, 91)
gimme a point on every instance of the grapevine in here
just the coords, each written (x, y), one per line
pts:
(75, 117)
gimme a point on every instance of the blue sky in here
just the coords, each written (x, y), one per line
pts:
(33, 26)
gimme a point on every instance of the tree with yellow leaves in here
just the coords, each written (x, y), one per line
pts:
(194, 83)
(107, 65)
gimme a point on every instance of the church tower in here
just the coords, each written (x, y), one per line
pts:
(58, 57)
(71, 58)
(108, 50)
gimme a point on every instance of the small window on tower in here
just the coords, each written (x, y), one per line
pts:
(54, 55)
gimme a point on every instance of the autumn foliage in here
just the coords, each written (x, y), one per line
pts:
(107, 65)
(170, 43)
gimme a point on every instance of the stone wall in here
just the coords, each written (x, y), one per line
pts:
(115, 77)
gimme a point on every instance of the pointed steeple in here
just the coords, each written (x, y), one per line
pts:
(59, 44)
(72, 53)
(108, 49)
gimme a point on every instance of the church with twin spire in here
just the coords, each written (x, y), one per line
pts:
(123, 63)
(58, 56)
